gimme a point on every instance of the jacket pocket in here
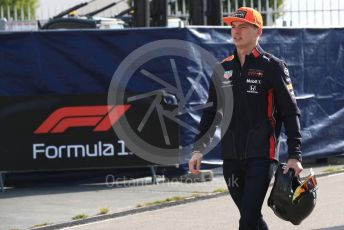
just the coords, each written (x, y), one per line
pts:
(257, 142)
(228, 146)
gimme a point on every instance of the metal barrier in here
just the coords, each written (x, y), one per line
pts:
(2, 188)
(152, 168)
(292, 13)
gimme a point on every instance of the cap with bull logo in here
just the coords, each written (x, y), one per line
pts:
(245, 14)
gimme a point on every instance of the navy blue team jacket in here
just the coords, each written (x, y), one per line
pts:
(263, 99)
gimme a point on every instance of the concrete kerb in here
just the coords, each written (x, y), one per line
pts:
(153, 207)
(130, 212)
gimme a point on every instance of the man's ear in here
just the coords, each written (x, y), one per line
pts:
(260, 31)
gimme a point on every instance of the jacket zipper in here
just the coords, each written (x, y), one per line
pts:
(240, 155)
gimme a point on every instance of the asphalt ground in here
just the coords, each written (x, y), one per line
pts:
(55, 205)
(220, 213)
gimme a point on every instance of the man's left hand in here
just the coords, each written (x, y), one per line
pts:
(293, 164)
(195, 162)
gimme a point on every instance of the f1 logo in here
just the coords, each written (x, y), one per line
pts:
(99, 116)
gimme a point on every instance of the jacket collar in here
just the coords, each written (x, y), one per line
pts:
(255, 53)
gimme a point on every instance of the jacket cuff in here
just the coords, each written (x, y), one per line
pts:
(200, 147)
(296, 156)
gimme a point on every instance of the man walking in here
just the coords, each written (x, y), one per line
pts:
(263, 100)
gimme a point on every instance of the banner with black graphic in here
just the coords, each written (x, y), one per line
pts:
(54, 89)
(70, 132)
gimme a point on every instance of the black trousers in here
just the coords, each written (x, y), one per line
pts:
(248, 181)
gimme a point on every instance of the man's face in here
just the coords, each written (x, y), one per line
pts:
(244, 34)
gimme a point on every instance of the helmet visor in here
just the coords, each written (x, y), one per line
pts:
(309, 184)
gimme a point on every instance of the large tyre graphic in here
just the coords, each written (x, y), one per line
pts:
(118, 94)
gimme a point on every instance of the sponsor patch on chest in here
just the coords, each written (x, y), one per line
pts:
(228, 74)
(252, 89)
(253, 81)
(255, 73)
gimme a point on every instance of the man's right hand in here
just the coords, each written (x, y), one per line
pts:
(195, 162)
